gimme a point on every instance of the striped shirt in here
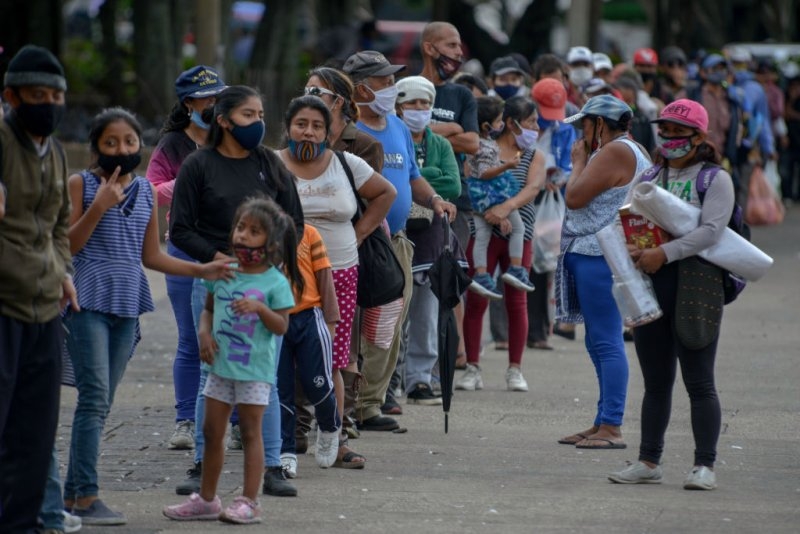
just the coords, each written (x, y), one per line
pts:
(109, 276)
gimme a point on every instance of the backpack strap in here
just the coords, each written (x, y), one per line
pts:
(648, 175)
(704, 178)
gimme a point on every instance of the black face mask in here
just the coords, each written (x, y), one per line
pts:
(126, 163)
(40, 119)
(648, 76)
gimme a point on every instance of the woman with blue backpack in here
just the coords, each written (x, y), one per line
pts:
(691, 294)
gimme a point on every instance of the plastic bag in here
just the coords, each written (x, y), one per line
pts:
(547, 232)
(772, 175)
(763, 205)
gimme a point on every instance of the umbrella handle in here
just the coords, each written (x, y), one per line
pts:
(446, 225)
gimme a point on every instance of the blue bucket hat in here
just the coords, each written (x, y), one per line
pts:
(606, 106)
(198, 82)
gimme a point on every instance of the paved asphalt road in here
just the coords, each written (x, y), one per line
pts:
(499, 470)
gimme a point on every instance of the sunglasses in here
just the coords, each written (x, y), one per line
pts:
(318, 91)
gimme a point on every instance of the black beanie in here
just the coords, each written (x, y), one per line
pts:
(34, 65)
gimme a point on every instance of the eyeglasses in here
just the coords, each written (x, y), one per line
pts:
(318, 91)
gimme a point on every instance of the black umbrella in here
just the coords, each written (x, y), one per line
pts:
(448, 282)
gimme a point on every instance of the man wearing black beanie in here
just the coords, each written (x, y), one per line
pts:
(35, 281)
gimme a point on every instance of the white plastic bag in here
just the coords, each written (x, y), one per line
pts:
(772, 175)
(547, 232)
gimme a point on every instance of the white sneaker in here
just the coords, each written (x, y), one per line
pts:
(515, 381)
(72, 523)
(235, 439)
(327, 448)
(289, 464)
(638, 473)
(471, 379)
(700, 478)
(183, 436)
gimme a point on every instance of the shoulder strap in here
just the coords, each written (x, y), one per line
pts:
(704, 179)
(349, 172)
(648, 175)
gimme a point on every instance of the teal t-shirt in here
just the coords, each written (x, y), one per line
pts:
(246, 346)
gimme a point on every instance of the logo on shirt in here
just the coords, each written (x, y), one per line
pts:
(444, 114)
(394, 160)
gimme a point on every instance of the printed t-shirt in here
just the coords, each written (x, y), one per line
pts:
(399, 167)
(246, 346)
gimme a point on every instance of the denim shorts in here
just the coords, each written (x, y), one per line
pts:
(235, 392)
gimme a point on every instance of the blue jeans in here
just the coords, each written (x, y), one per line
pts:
(186, 367)
(604, 341)
(53, 504)
(100, 345)
(270, 424)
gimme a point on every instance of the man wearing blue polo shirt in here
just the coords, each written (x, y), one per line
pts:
(375, 93)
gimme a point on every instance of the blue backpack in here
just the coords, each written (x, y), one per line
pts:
(732, 284)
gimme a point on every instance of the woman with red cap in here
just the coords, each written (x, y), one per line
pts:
(684, 154)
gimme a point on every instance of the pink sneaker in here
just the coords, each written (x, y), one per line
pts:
(195, 509)
(242, 511)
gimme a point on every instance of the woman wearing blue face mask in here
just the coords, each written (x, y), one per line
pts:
(211, 184)
(329, 205)
(183, 132)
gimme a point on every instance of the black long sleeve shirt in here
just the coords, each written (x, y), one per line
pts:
(210, 187)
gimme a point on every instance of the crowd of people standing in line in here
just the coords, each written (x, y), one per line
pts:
(262, 269)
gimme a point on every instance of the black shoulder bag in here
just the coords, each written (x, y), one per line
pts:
(380, 276)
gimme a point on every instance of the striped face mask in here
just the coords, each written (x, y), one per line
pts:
(306, 150)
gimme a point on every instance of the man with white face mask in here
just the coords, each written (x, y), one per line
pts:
(376, 93)
(581, 70)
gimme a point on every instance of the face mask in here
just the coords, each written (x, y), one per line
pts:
(383, 104)
(544, 124)
(596, 142)
(126, 163)
(494, 133)
(250, 255)
(250, 136)
(580, 75)
(197, 118)
(306, 150)
(717, 77)
(506, 91)
(527, 138)
(675, 147)
(647, 76)
(40, 119)
(417, 119)
(446, 66)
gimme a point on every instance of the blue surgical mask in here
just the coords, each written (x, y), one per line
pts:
(527, 139)
(506, 91)
(197, 118)
(250, 136)
(417, 119)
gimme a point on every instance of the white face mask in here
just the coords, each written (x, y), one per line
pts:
(580, 75)
(417, 119)
(383, 103)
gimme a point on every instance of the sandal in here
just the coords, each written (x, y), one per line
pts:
(573, 439)
(350, 459)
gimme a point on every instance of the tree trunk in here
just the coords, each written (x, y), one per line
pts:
(38, 22)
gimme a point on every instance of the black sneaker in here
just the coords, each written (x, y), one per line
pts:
(391, 407)
(379, 423)
(422, 394)
(192, 482)
(276, 484)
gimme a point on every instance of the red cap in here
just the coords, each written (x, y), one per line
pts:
(551, 96)
(645, 56)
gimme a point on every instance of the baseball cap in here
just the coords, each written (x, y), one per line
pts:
(601, 61)
(645, 56)
(579, 53)
(712, 60)
(596, 85)
(739, 54)
(504, 65)
(686, 113)
(606, 106)
(415, 87)
(369, 63)
(673, 54)
(198, 82)
(551, 96)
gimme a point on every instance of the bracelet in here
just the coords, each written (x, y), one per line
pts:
(434, 197)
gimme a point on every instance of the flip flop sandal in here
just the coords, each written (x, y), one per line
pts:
(570, 441)
(348, 461)
(608, 444)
